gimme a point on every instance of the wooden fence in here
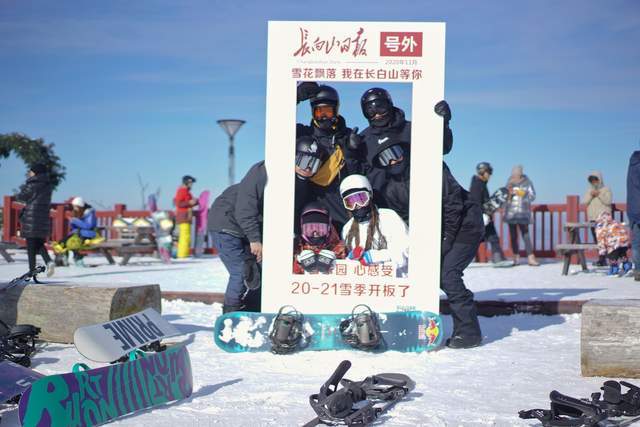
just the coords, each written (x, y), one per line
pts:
(546, 231)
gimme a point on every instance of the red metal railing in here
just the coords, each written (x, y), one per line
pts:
(546, 231)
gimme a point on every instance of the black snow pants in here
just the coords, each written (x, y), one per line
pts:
(492, 238)
(463, 306)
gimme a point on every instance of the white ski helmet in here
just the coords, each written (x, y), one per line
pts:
(355, 182)
(78, 202)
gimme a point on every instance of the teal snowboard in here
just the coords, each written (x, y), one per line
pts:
(405, 331)
(97, 396)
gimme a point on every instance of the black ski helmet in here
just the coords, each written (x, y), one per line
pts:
(309, 154)
(484, 166)
(188, 178)
(315, 213)
(326, 95)
(376, 100)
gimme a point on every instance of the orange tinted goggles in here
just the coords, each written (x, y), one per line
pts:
(324, 112)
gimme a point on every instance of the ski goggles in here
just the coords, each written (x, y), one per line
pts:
(315, 229)
(357, 199)
(378, 106)
(324, 112)
(395, 152)
(308, 162)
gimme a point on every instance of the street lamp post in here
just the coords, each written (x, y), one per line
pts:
(231, 127)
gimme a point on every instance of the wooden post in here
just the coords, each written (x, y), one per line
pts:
(58, 231)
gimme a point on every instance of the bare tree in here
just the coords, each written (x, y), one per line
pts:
(143, 190)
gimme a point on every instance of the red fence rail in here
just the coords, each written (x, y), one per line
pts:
(546, 231)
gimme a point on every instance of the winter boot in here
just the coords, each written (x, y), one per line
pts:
(614, 269)
(51, 268)
(533, 261)
(459, 341)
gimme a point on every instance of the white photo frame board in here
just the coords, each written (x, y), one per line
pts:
(379, 53)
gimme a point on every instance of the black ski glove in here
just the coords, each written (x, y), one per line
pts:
(308, 260)
(306, 90)
(355, 140)
(325, 260)
(442, 109)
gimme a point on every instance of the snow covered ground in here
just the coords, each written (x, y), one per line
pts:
(523, 358)
(209, 275)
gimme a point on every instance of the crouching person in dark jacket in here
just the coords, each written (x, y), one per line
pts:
(235, 220)
(34, 219)
(462, 231)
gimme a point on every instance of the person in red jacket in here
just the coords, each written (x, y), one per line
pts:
(184, 202)
(318, 245)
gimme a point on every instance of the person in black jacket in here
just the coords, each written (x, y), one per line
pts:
(480, 193)
(633, 209)
(235, 220)
(462, 232)
(235, 223)
(34, 218)
(387, 145)
(328, 128)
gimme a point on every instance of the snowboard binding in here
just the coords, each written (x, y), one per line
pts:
(358, 403)
(566, 411)
(614, 402)
(362, 329)
(18, 343)
(287, 333)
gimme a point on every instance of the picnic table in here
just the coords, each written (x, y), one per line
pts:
(575, 246)
(132, 240)
(3, 250)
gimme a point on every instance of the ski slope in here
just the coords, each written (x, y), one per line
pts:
(523, 358)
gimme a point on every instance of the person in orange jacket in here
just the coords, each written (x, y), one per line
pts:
(184, 202)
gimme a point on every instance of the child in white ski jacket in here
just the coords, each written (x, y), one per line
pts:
(372, 235)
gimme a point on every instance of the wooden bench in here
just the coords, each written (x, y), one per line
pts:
(567, 250)
(609, 339)
(131, 241)
(3, 250)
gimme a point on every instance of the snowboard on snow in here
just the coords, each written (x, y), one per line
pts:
(24, 279)
(15, 380)
(405, 331)
(90, 397)
(496, 201)
(109, 341)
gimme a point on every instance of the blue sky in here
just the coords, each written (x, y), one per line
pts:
(127, 87)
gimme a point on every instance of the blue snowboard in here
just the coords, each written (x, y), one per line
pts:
(15, 380)
(405, 331)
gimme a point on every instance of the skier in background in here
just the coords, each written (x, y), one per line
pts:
(597, 200)
(517, 213)
(184, 202)
(34, 217)
(318, 245)
(372, 235)
(479, 192)
(83, 231)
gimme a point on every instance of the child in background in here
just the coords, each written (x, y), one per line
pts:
(613, 242)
